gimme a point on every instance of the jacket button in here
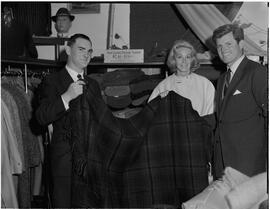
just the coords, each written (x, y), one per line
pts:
(220, 121)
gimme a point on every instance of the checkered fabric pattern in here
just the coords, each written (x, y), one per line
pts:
(158, 156)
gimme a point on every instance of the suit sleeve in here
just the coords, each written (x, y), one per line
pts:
(260, 90)
(51, 106)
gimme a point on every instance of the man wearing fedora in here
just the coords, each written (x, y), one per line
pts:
(63, 22)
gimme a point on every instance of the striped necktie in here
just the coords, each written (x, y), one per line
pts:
(226, 82)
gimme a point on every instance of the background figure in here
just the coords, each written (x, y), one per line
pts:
(58, 91)
(16, 38)
(199, 90)
(62, 23)
(241, 134)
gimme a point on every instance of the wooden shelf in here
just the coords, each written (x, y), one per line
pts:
(128, 65)
(57, 64)
(49, 41)
(210, 71)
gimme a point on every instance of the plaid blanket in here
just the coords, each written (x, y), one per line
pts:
(158, 156)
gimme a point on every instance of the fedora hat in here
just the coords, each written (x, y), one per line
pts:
(62, 12)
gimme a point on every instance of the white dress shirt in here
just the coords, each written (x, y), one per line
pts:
(74, 76)
(235, 65)
(63, 35)
(198, 89)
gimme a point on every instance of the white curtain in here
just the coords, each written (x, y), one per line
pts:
(203, 19)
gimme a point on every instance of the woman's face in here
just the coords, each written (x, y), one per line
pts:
(183, 59)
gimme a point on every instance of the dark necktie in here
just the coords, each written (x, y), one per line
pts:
(79, 77)
(226, 82)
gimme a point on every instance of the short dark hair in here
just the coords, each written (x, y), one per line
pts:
(238, 32)
(73, 38)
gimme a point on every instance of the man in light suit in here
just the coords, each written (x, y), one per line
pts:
(241, 107)
(59, 91)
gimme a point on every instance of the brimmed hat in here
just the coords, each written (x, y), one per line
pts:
(62, 12)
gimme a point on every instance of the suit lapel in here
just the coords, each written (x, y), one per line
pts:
(233, 84)
(219, 93)
(64, 79)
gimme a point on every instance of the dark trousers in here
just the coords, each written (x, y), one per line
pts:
(61, 192)
(61, 167)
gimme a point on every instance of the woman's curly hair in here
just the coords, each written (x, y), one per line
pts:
(174, 50)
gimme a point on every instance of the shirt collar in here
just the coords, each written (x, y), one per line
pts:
(73, 73)
(183, 78)
(235, 65)
(63, 35)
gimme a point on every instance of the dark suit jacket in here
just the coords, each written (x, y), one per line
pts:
(52, 110)
(241, 140)
(158, 156)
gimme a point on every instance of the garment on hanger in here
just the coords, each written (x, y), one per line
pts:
(11, 162)
(19, 104)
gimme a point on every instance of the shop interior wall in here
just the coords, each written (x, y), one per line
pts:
(93, 25)
(140, 25)
(154, 26)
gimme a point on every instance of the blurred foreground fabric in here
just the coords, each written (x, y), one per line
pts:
(234, 191)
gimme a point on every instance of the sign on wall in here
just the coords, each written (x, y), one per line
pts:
(80, 8)
(124, 56)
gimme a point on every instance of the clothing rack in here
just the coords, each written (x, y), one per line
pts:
(19, 72)
(25, 73)
(13, 84)
(31, 67)
(21, 69)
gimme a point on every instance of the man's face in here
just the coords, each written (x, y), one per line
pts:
(63, 24)
(228, 48)
(79, 54)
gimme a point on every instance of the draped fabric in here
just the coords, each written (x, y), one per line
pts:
(234, 190)
(17, 41)
(158, 156)
(203, 19)
(229, 9)
(36, 15)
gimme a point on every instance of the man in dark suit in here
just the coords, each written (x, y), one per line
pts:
(59, 90)
(241, 107)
